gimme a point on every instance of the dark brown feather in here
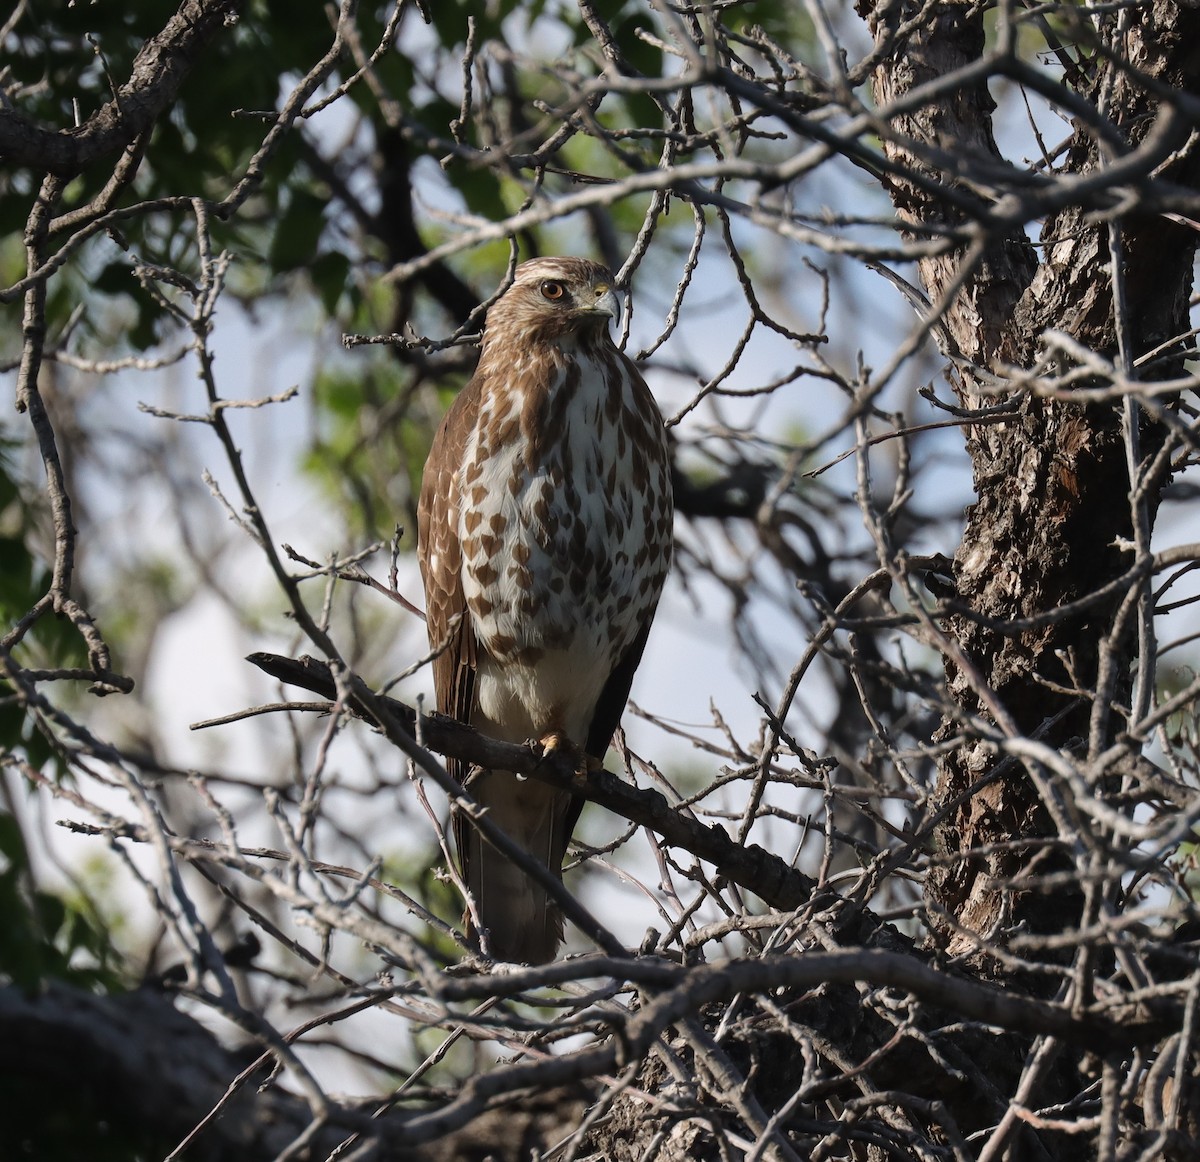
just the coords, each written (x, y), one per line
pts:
(454, 667)
(609, 709)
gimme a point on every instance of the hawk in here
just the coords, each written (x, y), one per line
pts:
(544, 536)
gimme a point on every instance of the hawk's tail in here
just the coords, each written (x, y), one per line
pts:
(523, 925)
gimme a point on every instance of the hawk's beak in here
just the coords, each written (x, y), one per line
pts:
(606, 301)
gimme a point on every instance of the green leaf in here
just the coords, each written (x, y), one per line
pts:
(481, 189)
(12, 843)
(330, 273)
(298, 231)
(43, 935)
(116, 278)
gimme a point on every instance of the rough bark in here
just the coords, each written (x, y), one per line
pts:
(955, 129)
(1052, 512)
(142, 1077)
(146, 1078)
(160, 69)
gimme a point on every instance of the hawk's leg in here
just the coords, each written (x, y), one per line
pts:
(556, 743)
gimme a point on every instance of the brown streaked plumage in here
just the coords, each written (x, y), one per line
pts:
(544, 535)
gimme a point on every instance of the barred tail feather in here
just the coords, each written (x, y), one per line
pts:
(523, 925)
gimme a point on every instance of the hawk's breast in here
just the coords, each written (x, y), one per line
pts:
(565, 530)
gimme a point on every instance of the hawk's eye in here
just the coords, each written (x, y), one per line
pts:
(554, 291)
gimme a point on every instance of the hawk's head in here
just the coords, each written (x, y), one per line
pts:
(554, 297)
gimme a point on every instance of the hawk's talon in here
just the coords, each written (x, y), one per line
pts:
(556, 743)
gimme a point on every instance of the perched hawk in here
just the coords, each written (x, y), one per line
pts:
(544, 535)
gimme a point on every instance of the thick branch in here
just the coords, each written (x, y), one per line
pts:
(692, 990)
(147, 1073)
(145, 1077)
(159, 70)
(765, 874)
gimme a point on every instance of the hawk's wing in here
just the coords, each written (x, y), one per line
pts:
(440, 556)
(610, 706)
(607, 717)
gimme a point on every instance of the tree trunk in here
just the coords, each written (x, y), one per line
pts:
(1053, 520)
